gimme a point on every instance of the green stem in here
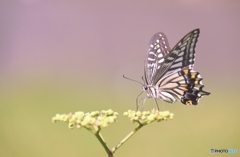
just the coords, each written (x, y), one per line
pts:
(127, 137)
(101, 140)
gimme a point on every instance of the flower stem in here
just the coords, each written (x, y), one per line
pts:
(101, 140)
(127, 137)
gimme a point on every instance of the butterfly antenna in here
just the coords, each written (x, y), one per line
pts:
(132, 80)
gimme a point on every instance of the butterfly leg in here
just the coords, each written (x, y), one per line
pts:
(143, 102)
(138, 101)
(156, 104)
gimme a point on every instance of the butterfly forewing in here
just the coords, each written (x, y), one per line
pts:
(186, 48)
(157, 51)
(181, 56)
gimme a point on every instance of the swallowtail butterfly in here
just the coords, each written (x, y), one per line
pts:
(169, 74)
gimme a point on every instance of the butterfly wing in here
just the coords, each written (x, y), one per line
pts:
(158, 50)
(175, 77)
(185, 85)
(182, 56)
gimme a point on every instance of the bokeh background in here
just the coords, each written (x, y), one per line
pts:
(67, 56)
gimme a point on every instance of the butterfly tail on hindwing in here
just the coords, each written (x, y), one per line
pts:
(184, 85)
(193, 87)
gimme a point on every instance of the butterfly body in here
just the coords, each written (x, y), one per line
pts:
(169, 74)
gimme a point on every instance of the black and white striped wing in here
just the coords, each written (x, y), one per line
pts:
(184, 85)
(176, 77)
(182, 56)
(157, 52)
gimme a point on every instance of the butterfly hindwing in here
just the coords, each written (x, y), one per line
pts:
(184, 85)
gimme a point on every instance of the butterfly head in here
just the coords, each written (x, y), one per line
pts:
(144, 88)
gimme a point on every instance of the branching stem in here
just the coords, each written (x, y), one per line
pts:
(104, 144)
(127, 137)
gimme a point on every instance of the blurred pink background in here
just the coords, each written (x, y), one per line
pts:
(107, 39)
